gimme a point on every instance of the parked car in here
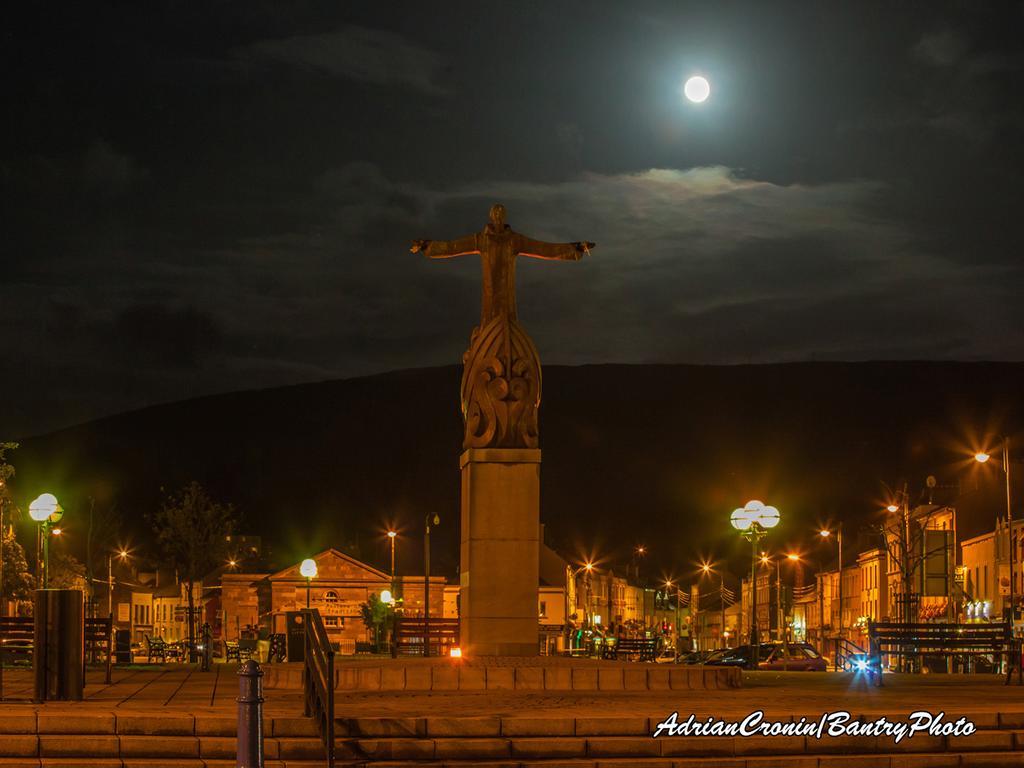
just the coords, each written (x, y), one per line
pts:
(801, 657)
(695, 657)
(794, 657)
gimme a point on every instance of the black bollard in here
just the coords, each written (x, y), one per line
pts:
(250, 715)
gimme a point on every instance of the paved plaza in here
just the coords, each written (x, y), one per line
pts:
(177, 688)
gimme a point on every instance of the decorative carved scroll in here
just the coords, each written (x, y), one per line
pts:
(501, 385)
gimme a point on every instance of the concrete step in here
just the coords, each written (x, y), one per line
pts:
(895, 760)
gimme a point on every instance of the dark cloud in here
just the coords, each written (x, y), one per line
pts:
(205, 198)
(374, 56)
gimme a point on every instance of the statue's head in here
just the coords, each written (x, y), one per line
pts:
(497, 216)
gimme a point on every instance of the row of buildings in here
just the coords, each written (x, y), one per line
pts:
(916, 576)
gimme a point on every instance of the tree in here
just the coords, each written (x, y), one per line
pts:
(17, 579)
(378, 617)
(102, 537)
(192, 531)
(12, 584)
(66, 572)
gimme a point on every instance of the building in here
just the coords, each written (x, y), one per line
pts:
(985, 562)
(341, 587)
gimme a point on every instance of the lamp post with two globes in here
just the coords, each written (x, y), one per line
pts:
(46, 511)
(753, 521)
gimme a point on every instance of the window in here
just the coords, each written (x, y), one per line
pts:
(330, 621)
(331, 597)
(543, 609)
(986, 581)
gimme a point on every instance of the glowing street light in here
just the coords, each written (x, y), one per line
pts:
(122, 555)
(753, 521)
(308, 570)
(825, 534)
(982, 457)
(46, 511)
(893, 508)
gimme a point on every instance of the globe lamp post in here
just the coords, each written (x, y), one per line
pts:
(308, 571)
(46, 511)
(753, 521)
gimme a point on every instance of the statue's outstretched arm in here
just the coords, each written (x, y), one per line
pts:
(538, 249)
(446, 249)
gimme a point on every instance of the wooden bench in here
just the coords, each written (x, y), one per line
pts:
(444, 635)
(916, 640)
(17, 640)
(17, 635)
(156, 648)
(631, 648)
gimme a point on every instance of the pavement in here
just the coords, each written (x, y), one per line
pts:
(162, 687)
(180, 689)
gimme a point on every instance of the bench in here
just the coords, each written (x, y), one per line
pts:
(444, 635)
(917, 640)
(631, 648)
(17, 640)
(156, 648)
(17, 635)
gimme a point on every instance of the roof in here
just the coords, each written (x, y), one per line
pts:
(331, 556)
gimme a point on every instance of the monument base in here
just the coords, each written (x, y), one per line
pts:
(499, 572)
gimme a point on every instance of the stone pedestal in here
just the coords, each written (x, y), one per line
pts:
(500, 549)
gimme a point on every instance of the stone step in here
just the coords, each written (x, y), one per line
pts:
(180, 749)
(922, 760)
(560, 675)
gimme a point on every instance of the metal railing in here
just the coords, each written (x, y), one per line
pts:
(318, 679)
(847, 652)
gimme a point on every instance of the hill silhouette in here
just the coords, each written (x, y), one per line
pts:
(652, 454)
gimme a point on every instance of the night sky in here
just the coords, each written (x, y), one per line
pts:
(205, 197)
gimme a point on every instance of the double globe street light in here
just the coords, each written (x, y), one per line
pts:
(753, 521)
(46, 511)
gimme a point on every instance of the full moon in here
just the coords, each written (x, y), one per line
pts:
(697, 89)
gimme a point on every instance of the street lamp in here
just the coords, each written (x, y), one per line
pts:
(982, 457)
(308, 571)
(46, 511)
(753, 521)
(123, 557)
(826, 533)
(427, 522)
(675, 614)
(570, 578)
(392, 535)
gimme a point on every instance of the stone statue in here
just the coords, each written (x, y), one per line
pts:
(501, 380)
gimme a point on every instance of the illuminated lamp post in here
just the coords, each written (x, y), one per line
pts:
(982, 457)
(675, 615)
(826, 533)
(392, 535)
(46, 511)
(753, 521)
(308, 571)
(123, 557)
(570, 578)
